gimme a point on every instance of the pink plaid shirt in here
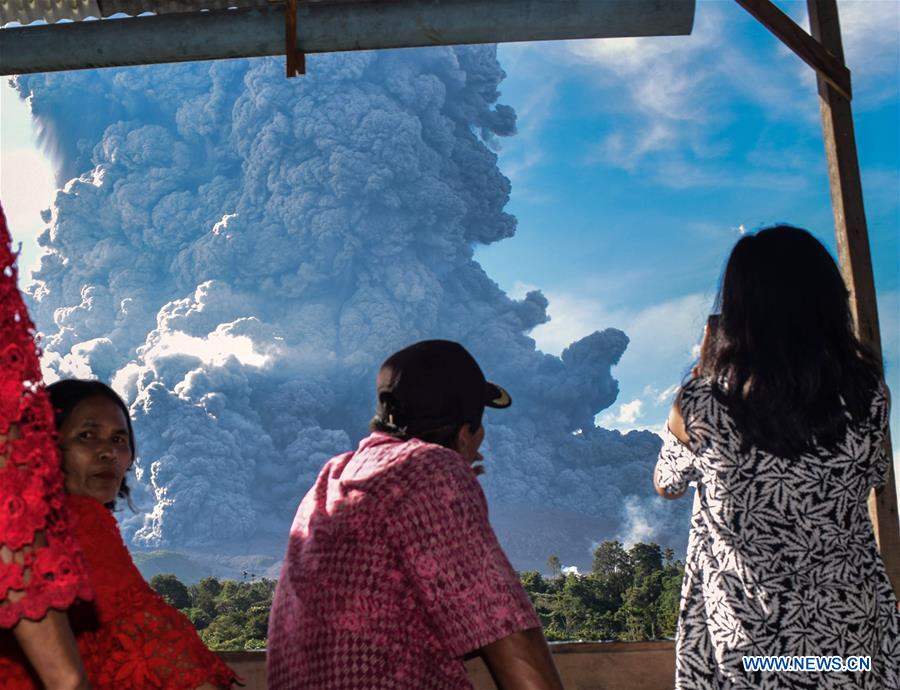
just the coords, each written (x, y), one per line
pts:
(392, 574)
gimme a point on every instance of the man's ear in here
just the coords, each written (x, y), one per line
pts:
(463, 439)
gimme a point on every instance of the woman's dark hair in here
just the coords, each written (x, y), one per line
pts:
(782, 354)
(65, 396)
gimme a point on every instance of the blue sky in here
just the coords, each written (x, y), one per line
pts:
(637, 165)
(640, 161)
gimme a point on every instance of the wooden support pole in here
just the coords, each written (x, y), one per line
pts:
(853, 252)
(811, 51)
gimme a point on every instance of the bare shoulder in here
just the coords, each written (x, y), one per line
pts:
(676, 420)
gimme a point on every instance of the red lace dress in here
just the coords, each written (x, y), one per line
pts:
(49, 572)
(129, 637)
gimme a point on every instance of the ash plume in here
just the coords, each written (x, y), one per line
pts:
(237, 253)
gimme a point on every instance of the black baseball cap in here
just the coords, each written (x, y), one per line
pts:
(433, 384)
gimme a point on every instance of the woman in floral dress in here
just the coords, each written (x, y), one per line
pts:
(781, 429)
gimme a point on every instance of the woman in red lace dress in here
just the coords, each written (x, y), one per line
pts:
(130, 639)
(42, 571)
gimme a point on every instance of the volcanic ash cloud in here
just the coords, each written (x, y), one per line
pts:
(238, 252)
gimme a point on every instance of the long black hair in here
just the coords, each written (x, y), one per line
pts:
(66, 394)
(782, 354)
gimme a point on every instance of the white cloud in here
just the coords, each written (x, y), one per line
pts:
(897, 469)
(889, 324)
(667, 395)
(629, 412)
(655, 68)
(523, 154)
(660, 397)
(670, 99)
(685, 78)
(658, 333)
(627, 149)
(213, 350)
(871, 37)
(27, 183)
(26, 188)
(624, 418)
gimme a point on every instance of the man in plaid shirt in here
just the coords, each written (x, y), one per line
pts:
(393, 574)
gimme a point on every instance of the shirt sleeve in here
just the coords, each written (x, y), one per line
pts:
(460, 574)
(676, 465)
(879, 459)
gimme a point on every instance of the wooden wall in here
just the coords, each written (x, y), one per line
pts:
(583, 666)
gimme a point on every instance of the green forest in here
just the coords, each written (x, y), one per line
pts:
(629, 594)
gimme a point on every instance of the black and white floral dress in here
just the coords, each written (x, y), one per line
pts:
(781, 558)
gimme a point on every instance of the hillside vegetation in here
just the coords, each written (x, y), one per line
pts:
(628, 595)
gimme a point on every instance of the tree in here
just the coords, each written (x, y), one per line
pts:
(204, 593)
(640, 608)
(611, 559)
(628, 595)
(669, 556)
(554, 565)
(533, 582)
(645, 559)
(641, 602)
(172, 590)
(240, 616)
(198, 617)
(225, 632)
(612, 566)
(669, 603)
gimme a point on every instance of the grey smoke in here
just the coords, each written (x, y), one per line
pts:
(238, 252)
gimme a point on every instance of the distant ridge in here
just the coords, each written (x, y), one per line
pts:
(528, 535)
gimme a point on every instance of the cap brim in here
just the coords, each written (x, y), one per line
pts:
(497, 397)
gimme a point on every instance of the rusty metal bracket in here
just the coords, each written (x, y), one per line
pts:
(295, 60)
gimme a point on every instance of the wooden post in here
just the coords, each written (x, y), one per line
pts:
(853, 252)
(807, 48)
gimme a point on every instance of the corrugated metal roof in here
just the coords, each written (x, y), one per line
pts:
(50, 11)
(135, 7)
(28, 11)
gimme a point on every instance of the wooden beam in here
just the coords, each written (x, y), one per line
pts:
(853, 251)
(827, 65)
